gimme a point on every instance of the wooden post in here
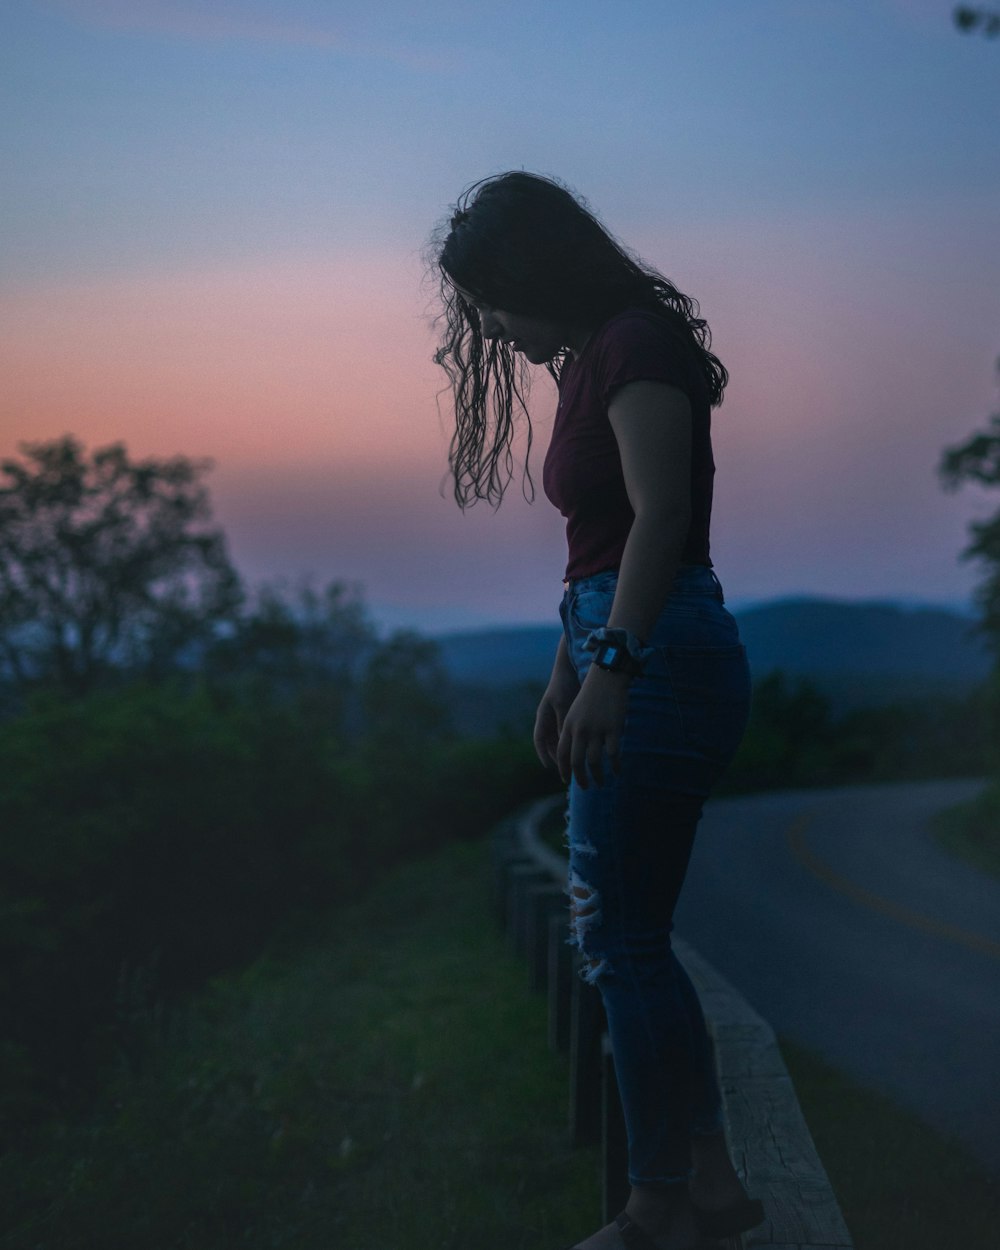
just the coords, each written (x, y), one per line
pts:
(614, 1139)
(520, 877)
(560, 982)
(505, 855)
(587, 1023)
(543, 901)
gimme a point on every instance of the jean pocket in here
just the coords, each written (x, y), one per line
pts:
(590, 609)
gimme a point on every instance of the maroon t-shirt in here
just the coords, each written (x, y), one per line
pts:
(582, 474)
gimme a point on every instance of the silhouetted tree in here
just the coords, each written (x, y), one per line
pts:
(105, 564)
(978, 460)
(308, 633)
(302, 646)
(985, 21)
(404, 693)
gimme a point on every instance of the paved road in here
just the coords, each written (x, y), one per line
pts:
(837, 916)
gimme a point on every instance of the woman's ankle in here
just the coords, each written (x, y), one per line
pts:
(715, 1182)
(656, 1207)
(666, 1215)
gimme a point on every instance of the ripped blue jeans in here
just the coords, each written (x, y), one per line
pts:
(629, 845)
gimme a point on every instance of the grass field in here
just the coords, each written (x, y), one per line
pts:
(384, 1084)
(382, 1080)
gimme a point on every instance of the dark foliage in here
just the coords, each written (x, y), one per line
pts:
(156, 834)
(977, 460)
(184, 766)
(983, 21)
(795, 739)
(106, 565)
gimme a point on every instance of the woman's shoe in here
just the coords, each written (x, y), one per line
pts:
(738, 1217)
(632, 1235)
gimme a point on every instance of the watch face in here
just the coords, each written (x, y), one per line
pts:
(609, 656)
(615, 659)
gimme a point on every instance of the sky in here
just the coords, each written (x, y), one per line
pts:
(214, 214)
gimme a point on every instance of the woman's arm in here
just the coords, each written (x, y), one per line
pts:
(652, 423)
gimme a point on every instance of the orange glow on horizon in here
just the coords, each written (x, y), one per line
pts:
(277, 364)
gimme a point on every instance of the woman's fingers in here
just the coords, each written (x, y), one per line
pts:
(581, 756)
(549, 759)
(546, 735)
(589, 737)
(538, 738)
(594, 764)
(564, 751)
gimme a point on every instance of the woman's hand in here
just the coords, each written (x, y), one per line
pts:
(558, 698)
(593, 726)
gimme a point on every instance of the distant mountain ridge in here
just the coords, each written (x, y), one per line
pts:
(827, 637)
(858, 647)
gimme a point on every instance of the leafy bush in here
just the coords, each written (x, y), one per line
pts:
(150, 838)
(155, 834)
(794, 739)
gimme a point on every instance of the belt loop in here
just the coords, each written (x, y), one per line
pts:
(718, 587)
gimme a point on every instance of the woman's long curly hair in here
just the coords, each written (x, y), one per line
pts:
(522, 243)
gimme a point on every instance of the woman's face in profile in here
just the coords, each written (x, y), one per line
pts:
(536, 338)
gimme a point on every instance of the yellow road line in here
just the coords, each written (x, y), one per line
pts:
(795, 837)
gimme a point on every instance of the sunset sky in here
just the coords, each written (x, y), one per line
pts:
(212, 214)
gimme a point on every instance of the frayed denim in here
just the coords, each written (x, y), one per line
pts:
(629, 844)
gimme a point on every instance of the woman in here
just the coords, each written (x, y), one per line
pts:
(649, 691)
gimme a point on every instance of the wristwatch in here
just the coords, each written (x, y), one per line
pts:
(610, 656)
(617, 651)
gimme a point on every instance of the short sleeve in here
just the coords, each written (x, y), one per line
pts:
(640, 347)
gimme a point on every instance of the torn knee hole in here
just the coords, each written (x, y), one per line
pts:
(585, 909)
(587, 904)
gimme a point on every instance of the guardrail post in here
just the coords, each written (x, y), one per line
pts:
(542, 903)
(560, 982)
(614, 1155)
(587, 1024)
(505, 851)
(520, 878)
